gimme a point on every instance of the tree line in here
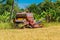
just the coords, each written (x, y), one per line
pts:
(8, 10)
(46, 9)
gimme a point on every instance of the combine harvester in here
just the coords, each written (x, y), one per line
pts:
(26, 20)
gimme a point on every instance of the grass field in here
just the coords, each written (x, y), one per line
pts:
(47, 33)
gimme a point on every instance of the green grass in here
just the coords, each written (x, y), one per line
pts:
(6, 25)
(10, 25)
(51, 24)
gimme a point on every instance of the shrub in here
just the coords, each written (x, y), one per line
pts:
(6, 25)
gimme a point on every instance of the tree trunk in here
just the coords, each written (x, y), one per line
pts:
(12, 9)
(48, 19)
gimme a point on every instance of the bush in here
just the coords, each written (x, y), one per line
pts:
(4, 17)
(58, 19)
(6, 25)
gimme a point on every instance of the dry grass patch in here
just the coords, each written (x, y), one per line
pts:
(31, 34)
(48, 33)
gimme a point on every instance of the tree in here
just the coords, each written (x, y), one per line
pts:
(8, 6)
(49, 7)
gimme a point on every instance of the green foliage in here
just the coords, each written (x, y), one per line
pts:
(9, 2)
(46, 8)
(5, 25)
(8, 9)
(5, 17)
(37, 17)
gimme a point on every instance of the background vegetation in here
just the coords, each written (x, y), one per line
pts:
(47, 10)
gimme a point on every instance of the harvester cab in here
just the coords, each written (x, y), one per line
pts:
(20, 18)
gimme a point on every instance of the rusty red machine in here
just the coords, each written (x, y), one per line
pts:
(26, 20)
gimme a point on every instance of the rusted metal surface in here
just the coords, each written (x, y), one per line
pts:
(27, 19)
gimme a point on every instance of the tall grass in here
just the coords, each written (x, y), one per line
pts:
(51, 24)
(6, 25)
